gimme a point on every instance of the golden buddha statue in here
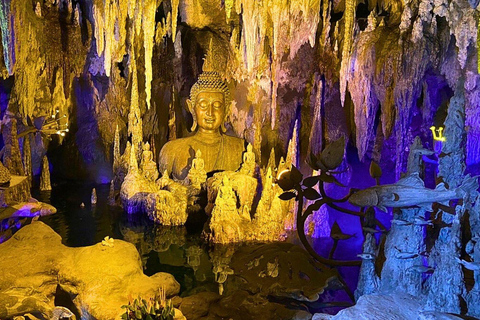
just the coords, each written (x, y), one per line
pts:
(209, 105)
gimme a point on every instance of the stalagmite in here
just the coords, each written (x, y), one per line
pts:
(12, 158)
(27, 157)
(45, 177)
(175, 4)
(111, 194)
(93, 197)
(292, 152)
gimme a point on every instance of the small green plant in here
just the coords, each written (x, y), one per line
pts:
(157, 308)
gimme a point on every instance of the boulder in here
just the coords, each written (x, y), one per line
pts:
(99, 279)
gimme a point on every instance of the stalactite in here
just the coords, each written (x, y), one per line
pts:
(7, 43)
(30, 67)
(462, 22)
(316, 131)
(472, 120)
(99, 30)
(326, 9)
(148, 26)
(45, 177)
(349, 21)
(362, 91)
(250, 33)
(175, 4)
(116, 146)
(229, 5)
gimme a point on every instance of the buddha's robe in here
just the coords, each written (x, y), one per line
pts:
(220, 152)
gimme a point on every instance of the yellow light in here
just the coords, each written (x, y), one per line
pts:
(438, 134)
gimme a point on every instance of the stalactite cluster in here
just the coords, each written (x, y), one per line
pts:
(287, 61)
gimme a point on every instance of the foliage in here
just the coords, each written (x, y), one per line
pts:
(156, 309)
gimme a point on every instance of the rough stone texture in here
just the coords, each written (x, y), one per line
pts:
(388, 307)
(99, 279)
(12, 158)
(447, 286)
(18, 191)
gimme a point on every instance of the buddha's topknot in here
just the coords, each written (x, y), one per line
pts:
(210, 81)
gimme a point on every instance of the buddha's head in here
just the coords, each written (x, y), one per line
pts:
(209, 102)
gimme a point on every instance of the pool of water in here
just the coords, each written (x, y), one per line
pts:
(180, 251)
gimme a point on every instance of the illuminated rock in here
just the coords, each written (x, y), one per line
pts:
(91, 275)
(12, 158)
(17, 191)
(27, 157)
(45, 177)
(168, 207)
(135, 187)
(93, 197)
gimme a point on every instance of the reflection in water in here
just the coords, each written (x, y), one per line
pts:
(275, 270)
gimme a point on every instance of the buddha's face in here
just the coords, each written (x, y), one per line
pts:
(210, 110)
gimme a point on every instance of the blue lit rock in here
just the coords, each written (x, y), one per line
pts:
(387, 307)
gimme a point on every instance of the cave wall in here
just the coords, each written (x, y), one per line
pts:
(375, 72)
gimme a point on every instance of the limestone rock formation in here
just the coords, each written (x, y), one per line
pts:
(12, 158)
(36, 264)
(45, 184)
(18, 191)
(386, 307)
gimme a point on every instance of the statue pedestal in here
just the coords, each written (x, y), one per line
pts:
(18, 191)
